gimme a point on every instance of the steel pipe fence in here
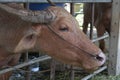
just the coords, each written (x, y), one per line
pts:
(56, 1)
(40, 59)
(100, 38)
(94, 73)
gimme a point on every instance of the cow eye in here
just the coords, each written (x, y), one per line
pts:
(63, 28)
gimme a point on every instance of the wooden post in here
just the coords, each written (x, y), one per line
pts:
(114, 55)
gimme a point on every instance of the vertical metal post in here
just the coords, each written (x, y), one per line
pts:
(72, 8)
(92, 24)
(27, 75)
(53, 68)
(71, 67)
(72, 73)
(114, 55)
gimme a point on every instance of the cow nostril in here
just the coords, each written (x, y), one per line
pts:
(99, 58)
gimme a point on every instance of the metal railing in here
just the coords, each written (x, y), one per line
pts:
(56, 1)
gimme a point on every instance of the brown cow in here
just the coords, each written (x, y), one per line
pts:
(61, 38)
(102, 19)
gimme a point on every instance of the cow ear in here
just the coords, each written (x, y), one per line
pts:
(29, 40)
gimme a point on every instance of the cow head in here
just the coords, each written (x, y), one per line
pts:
(63, 40)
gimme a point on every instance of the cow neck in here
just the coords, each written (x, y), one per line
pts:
(51, 29)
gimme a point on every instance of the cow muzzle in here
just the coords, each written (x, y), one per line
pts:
(101, 58)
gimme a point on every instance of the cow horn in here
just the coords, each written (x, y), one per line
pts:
(52, 3)
(45, 16)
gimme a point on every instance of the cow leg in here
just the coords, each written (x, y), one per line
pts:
(5, 76)
(14, 60)
(87, 10)
(4, 58)
(85, 26)
(100, 32)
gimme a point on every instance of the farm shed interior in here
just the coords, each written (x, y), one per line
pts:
(114, 51)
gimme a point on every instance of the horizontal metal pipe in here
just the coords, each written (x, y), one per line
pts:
(100, 38)
(25, 64)
(56, 1)
(94, 73)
